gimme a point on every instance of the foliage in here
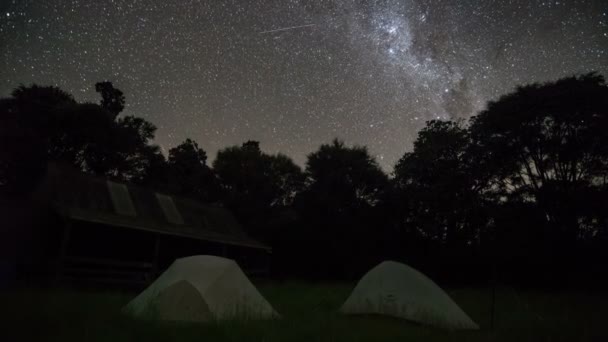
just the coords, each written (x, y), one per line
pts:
(348, 176)
(249, 175)
(438, 180)
(189, 174)
(337, 207)
(522, 184)
(548, 144)
(256, 185)
(112, 99)
(85, 135)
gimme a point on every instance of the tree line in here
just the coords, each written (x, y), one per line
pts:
(521, 186)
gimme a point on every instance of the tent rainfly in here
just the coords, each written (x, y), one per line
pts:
(199, 289)
(397, 290)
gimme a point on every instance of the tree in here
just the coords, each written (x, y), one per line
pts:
(439, 204)
(189, 174)
(344, 185)
(288, 178)
(441, 181)
(28, 120)
(547, 144)
(155, 173)
(112, 99)
(137, 156)
(347, 175)
(244, 174)
(41, 124)
(255, 184)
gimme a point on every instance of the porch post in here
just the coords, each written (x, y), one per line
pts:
(155, 260)
(67, 230)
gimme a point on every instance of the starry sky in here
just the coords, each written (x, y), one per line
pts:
(294, 74)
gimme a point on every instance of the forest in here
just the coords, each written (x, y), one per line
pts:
(515, 194)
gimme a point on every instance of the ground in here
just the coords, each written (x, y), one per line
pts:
(309, 313)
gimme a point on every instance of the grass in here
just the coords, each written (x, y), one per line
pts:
(309, 313)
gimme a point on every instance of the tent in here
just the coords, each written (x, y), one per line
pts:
(201, 288)
(395, 289)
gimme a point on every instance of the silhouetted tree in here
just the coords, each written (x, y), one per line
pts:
(548, 144)
(244, 174)
(28, 119)
(43, 124)
(22, 148)
(156, 172)
(344, 184)
(256, 184)
(439, 204)
(189, 174)
(112, 99)
(288, 177)
(440, 181)
(347, 175)
(529, 174)
(133, 144)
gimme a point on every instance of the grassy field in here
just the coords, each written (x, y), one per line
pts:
(309, 314)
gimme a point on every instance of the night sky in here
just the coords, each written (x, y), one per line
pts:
(295, 74)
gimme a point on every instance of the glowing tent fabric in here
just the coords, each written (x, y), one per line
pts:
(201, 288)
(395, 289)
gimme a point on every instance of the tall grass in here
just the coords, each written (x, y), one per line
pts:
(309, 313)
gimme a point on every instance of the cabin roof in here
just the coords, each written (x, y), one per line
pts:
(83, 197)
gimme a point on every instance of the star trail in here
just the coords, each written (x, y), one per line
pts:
(295, 74)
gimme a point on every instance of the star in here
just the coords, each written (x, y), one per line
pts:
(371, 73)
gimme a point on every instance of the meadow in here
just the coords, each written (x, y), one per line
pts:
(309, 313)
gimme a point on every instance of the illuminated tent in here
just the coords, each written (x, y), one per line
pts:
(397, 290)
(201, 288)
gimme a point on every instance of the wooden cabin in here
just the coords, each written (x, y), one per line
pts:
(75, 227)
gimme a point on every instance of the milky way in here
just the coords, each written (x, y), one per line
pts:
(295, 74)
